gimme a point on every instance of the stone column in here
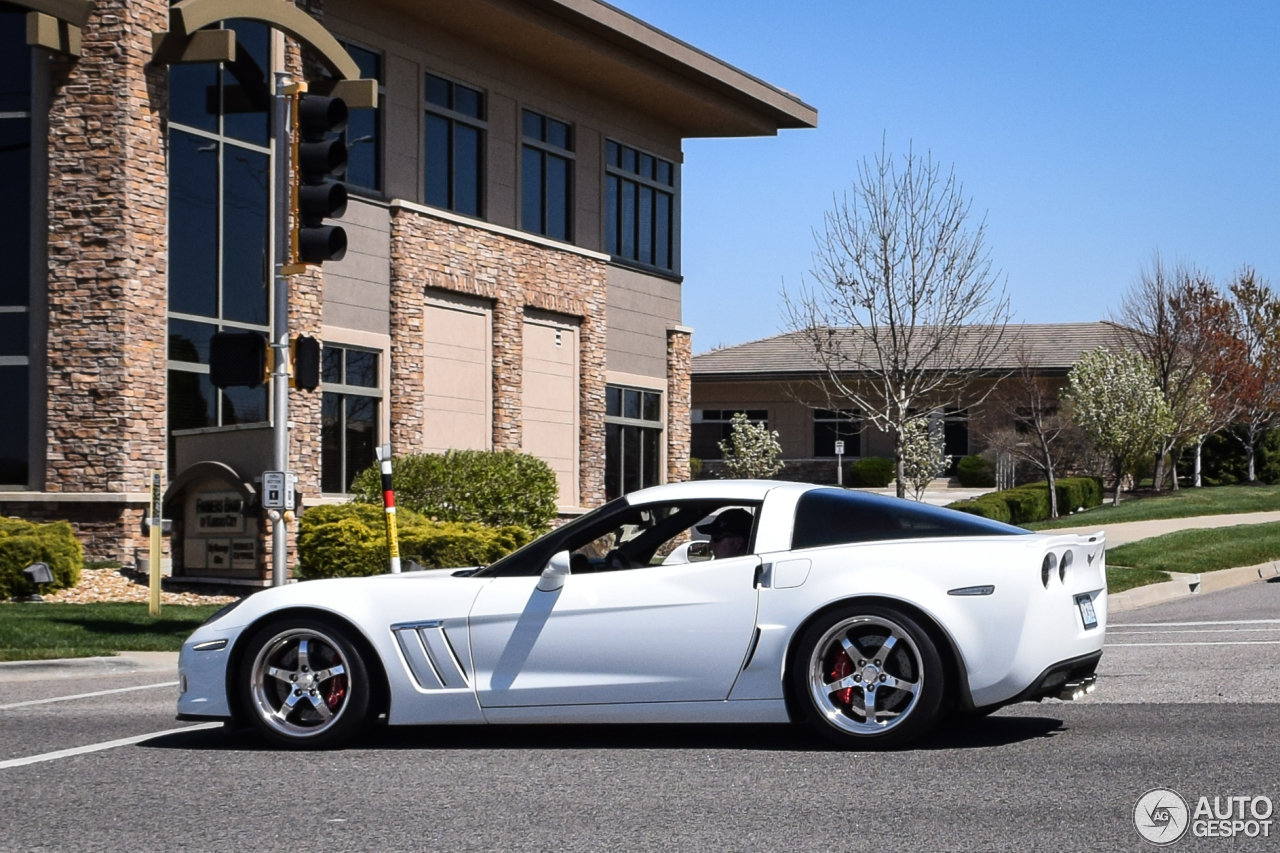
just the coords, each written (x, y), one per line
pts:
(107, 251)
(679, 366)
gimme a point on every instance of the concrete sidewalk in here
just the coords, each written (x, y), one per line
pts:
(125, 663)
(1120, 534)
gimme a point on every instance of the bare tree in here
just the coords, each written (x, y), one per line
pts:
(1171, 344)
(904, 309)
(1030, 403)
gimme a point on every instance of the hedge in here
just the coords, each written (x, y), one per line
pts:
(495, 488)
(349, 540)
(871, 472)
(975, 472)
(24, 542)
(1031, 502)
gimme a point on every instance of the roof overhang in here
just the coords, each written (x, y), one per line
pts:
(603, 49)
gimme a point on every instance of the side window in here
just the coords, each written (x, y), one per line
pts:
(839, 517)
(655, 534)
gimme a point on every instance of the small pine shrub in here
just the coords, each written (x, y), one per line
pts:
(976, 472)
(871, 472)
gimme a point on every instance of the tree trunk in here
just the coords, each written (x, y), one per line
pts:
(1048, 473)
(1119, 482)
(1199, 444)
(898, 466)
(1173, 471)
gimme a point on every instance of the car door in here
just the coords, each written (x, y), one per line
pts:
(662, 633)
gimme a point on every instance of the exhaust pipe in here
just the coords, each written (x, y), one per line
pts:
(1074, 690)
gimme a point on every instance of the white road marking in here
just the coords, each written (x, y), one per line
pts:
(1196, 631)
(98, 747)
(85, 695)
(1210, 643)
(1185, 624)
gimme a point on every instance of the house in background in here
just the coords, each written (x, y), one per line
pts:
(513, 278)
(775, 381)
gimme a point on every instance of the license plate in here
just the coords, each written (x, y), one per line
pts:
(1085, 603)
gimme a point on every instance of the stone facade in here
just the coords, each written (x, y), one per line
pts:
(679, 387)
(515, 274)
(107, 287)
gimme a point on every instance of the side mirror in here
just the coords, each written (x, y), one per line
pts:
(699, 551)
(553, 576)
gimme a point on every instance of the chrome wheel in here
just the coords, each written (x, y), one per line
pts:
(866, 675)
(300, 683)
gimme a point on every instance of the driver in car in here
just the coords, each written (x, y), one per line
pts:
(729, 532)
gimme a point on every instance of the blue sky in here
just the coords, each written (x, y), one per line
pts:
(1088, 133)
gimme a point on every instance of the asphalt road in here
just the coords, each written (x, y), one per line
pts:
(1187, 699)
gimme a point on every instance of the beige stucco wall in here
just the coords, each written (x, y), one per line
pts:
(641, 309)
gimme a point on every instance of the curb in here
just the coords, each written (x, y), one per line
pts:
(127, 663)
(1185, 585)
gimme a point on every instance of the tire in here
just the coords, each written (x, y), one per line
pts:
(846, 647)
(303, 685)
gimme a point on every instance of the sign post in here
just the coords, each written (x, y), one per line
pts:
(839, 463)
(156, 532)
(389, 505)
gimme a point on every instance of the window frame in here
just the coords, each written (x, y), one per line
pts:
(656, 425)
(547, 149)
(849, 417)
(380, 125)
(343, 390)
(453, 116)
(672, 189)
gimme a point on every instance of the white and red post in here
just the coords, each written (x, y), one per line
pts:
(389, 506)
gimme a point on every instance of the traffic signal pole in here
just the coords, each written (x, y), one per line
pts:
(280, 322)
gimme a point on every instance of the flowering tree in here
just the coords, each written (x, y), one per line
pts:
(923, 455)
(1256, 379)
(751, 451)
(1116, 402)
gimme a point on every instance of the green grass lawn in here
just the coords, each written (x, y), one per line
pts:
(44, 631)
(1201, 550)
(1185, 503)
(1120, 578)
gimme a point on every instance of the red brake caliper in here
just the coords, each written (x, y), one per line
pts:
(841, 667)
(337, 689)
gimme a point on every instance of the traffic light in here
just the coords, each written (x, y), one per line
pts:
(320, 163)
(306, 363)
(237, 359)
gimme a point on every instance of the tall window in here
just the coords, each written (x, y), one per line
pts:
(633, 440)
(711, 426)
(455, 146)
(640, 200)
(832, 426)
(348, 415)
(364, 127)
(546, 191)
(15, 243)
(219, 234)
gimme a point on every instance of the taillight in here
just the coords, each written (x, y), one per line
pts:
(1046, 568)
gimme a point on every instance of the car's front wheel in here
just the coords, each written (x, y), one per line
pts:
(870, 677)
(303, 684)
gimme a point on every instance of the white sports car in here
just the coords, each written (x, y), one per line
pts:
(863, 616)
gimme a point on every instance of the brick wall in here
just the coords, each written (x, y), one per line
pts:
(427, 252)
(679, 362)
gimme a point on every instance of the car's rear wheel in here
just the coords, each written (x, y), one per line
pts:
(870, 677)
(303, 684)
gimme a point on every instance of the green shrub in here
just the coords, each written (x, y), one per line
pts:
(871, 472)
(987, 506)
(976, 472)
(349, 540)
(24, 542)
(1028, 503)
(494, 488)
